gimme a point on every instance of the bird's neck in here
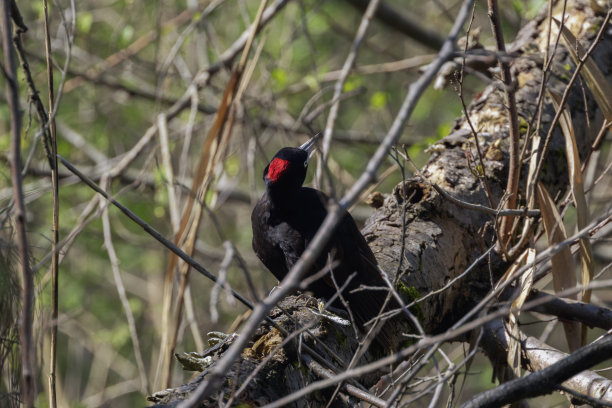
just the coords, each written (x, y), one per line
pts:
(282, 198)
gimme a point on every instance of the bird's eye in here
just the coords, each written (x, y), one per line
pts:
(306, 163)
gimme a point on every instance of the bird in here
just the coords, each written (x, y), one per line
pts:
(286, 219)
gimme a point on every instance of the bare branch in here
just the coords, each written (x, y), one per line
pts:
(28, 373)
(553, 368)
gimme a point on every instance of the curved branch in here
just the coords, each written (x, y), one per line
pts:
(551, 367)
(403, 23)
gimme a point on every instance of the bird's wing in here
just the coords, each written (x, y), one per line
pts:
(265, 243)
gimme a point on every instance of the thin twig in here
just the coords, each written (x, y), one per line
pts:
(55, 221)
(28, 375)
(339, 85)
(481, 174)
(175, 220)
(114, 260)
(46, 120)
(222, 282)
(372, 69)
(452, 370)
(510, 90)
(171, 55)
(154, 233)
(350, 389)
(470, 206)
(534, 138)
(34, 97)
(183, 162)
(232, 51)
(135, 47)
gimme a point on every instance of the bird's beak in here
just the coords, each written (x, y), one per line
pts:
(311, 144)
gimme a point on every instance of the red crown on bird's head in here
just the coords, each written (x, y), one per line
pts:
(276, 168)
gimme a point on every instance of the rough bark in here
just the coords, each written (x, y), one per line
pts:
(440, 239)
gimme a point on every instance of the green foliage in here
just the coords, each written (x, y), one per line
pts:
(232, 166)
(84, 22)
(378, 100)
(280, 76)
(126, 35)
(352, 82)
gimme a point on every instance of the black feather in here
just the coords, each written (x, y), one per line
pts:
(287, 218)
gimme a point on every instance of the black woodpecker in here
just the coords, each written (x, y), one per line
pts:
(286, 219)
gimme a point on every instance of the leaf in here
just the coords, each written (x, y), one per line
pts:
(280, 76)
(526, 282)
(594, 78)
(514, 346)
(563, 273)
(378, 100)
(577, 186)
(84, 22)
